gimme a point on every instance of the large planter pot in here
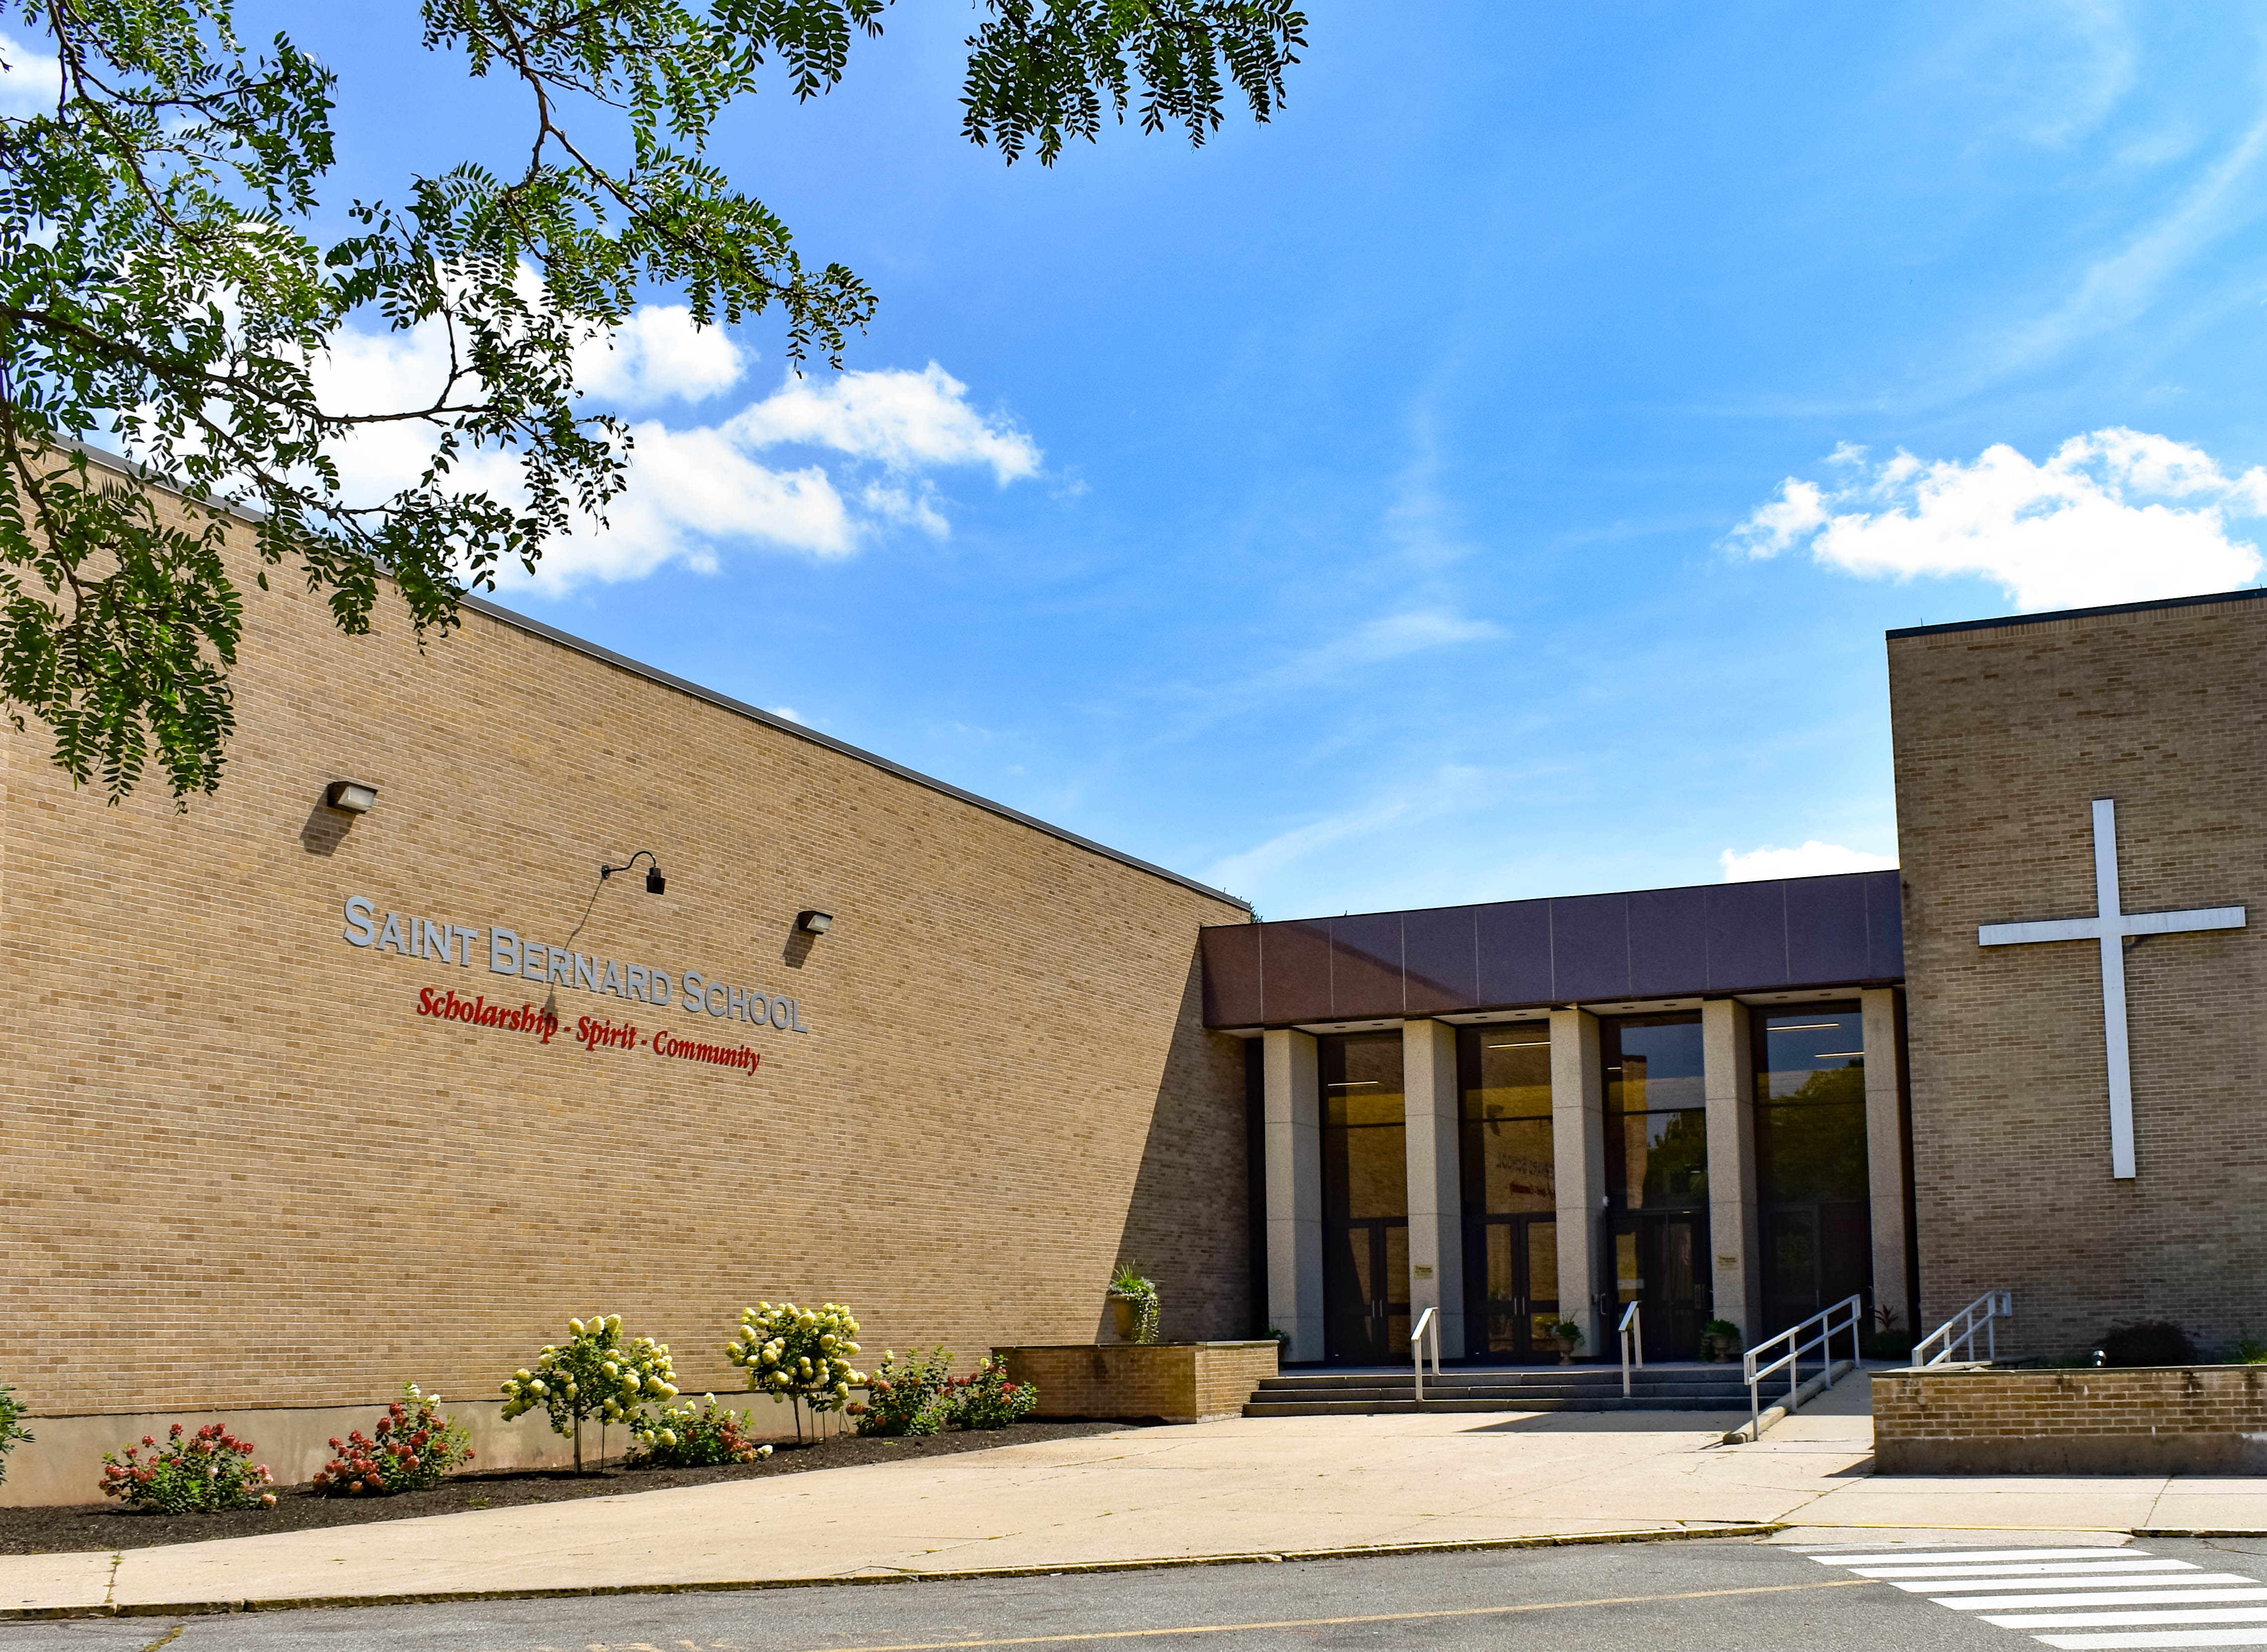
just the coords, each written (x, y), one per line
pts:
(1566, 1345)
(1126, 1311)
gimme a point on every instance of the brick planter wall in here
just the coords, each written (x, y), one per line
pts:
(2165, 1420)
(1180, 1381)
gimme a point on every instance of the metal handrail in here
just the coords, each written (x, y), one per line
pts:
(1631, 1325)
(1428, 1319)
(1994, 1304)
(1798, 1345)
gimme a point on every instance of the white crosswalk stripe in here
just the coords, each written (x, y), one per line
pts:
(2114, 1599)
(2108, 1579)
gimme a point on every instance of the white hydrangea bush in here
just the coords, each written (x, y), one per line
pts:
(595, 1375)
(799, 1354)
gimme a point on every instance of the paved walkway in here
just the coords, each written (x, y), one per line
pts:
(1272, 1485)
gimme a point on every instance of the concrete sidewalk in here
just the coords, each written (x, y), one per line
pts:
(1237, 1488)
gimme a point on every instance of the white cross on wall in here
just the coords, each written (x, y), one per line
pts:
(2110, 925)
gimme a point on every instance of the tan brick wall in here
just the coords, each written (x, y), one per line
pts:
(2175, 1420)
(1180, 1381)
(2003, 737)
(242, 1172)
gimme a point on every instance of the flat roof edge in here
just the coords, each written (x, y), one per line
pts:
(498, 612)
(2247, 595)
(1591, 895)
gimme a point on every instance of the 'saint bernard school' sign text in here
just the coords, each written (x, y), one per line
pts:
(508, 955)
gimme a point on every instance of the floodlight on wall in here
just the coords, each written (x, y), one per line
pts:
(655, 883)
(350, 797)
(814, 923)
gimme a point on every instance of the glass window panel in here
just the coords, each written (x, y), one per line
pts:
(1816, 1055)
(1509, 1169)
(1657, 1161)
(1806, 1150)
(1361, 1075)
(1506, 1069)
(1629, 1276)
(1543, 1262)
(1652, 1062)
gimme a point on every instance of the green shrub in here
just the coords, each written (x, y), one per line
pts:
(12, 1431)
(412, 1447)
(2249, 1350)
(906, 1396)
(685, 1438)
(988, 1399)
(798, 1354)
(597, 1375)
(203, 1471)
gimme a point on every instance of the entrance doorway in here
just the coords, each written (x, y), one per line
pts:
(1366, 1300)
(1659, 1264)
(1814, 1255)
(1511, 1275)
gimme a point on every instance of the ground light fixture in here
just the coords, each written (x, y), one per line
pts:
(350, 797)
(655, 883)
(811, 922)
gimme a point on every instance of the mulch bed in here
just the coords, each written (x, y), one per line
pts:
(110, 1527)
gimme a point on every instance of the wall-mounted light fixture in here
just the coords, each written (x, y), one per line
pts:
(350, 797)
(655, 883)
(814, 923)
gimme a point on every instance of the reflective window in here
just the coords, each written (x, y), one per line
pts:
(1657, 1117)
(1508, 1164)
(1365, 1174)
(1811, 1186)
(1810, 1106)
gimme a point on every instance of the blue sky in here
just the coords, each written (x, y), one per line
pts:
(1482, 482)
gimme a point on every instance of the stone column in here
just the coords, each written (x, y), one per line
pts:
(1430, 1098)
(1294, 1192)
(1729, 1082)
(1885, 1155)
(1578, 1148)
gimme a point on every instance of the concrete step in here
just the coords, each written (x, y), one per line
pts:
(1540, 1388)
(1404, 1404)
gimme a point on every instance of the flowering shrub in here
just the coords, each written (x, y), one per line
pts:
(793, 1353)
(210, 1469)
(597, 1374)
(906, 1396)
(687, 1438)
(412, 1447)
(988, 1399)
(11, 1426)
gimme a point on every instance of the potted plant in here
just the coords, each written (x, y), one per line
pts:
(1135, 1304)
(1720, 1340)
(1568, 1337)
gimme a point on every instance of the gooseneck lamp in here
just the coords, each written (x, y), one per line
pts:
(655, 883)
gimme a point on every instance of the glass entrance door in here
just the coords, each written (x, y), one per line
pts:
(1511, 1273)
(1658, 1264)
(1366, 1299)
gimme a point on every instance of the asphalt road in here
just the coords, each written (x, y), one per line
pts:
(1715, 1595)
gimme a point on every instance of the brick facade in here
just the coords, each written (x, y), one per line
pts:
(2181, 1419)
(2003, 736)
(243, 1171)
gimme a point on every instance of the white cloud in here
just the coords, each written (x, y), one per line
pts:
(788, 712)
(905, 420)
(1406, 806)
(1814, 860)
(32, 82)
(1391, 636)
(2114, 515)
(659, 356)
(695, 490)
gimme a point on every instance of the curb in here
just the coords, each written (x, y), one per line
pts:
(206, 1608)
